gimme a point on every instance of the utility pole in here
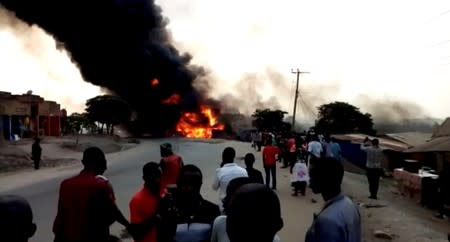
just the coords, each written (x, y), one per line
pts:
(297, 72)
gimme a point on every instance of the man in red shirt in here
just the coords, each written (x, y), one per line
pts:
(170, 165)
(270, 155)
(86, 206)
(143, 205)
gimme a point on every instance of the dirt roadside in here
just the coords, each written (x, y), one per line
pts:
(61, 151)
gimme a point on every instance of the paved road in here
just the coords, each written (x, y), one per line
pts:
(124, 171)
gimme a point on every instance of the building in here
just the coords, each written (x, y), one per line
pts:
(28, 115)
(434, 153)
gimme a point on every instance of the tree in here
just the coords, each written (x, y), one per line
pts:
(272, 120)
(341, 118)
(109, 110)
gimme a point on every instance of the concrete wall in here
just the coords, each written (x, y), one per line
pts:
(12, 107)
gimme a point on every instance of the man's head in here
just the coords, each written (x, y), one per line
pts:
(249, 160)
(234, 185)
(189, 182)
(37, 140)
(16, 219)
(166, 149)
(333, 139)
(375, 142)
(228, 155)
(254, 214)
(94, 160)
(152, 177)
(326, 176)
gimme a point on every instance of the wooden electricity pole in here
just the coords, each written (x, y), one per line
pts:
(297, 72)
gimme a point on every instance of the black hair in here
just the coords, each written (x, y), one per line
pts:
(16, 218)
(194, 172)
(228, 155)
(93, 157)
(375, 142)
(249, 159)
(254, 214)
(150, 170)
(330, 170)
(232, 187)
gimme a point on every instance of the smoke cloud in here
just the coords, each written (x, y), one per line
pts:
(120, 45)
(29, 60)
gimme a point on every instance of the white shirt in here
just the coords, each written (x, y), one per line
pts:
(224, 175)
(315, 148)
(219, 230)
(300, 172)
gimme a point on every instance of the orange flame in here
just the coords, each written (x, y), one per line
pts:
(154, 82)
(173, 99)
(199, 125)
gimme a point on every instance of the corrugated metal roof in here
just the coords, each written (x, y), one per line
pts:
(410, 138)
(443, 130)
(439, 144)
(386, 144)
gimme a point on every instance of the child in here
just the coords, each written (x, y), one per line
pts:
(300, 177)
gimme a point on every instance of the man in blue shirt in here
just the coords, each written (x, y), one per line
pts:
(339, 220)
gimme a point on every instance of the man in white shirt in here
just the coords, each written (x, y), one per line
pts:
(227, 172)
(315, 150)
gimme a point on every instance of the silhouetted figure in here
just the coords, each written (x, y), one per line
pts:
(143, 206)
(16, 219)
(254, 214)
(170, 164)
(228, 171)
(219, 230)
(86, 206)
(36, 152)
(339, 220)
(254, 175)
(375, 158)
(270, 155)
(185, 215)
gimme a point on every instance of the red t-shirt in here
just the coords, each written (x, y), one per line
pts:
(270, 155)
(85, 208)
(142, 206)
(291, 147)
(170, 166)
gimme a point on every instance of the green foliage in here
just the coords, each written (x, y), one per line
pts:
(76, 121)
(271, 120)
(108, 109)
(341, 118)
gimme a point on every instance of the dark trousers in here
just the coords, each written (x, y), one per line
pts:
(373, 176)
(259, 144)
(292, 160)
(269, 170)
(36, 163)
(299, 186)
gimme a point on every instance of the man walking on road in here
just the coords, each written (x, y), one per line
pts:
(375, 158)
(339, 220)
(86, 206)
(270, 155)
(227, 172)
(16, 219)
(36, 152)
(170, 164)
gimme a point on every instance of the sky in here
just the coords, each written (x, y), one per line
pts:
(354, 49)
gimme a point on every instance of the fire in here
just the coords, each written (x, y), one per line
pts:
(154, 82)
(173, 99)
(199, 124)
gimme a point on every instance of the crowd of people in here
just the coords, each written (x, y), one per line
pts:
(169, 206)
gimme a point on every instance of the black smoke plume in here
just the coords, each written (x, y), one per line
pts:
(121, 45)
